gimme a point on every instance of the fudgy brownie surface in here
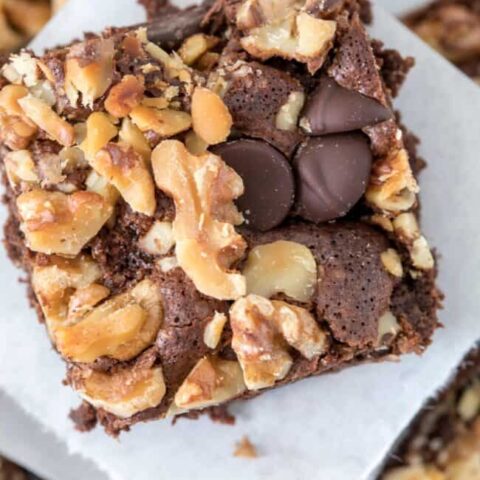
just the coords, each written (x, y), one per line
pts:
(217, 204)
(453, 28)
(443, 442)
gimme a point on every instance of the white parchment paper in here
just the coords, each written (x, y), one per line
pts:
(336, 427)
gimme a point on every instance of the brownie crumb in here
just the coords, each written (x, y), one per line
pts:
(84, 417)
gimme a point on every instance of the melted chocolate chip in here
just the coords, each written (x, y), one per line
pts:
(268, 179)
(332, 175)
(334, 109)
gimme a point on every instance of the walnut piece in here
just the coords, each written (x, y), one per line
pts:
(125, 96)
(212, 121)
(159, 240)
(393, 187)
(263, 330)
(469, 403)
(287, 117)
(57, 223)
(166, 123)
(211, 382)
(214, 329)
(125, 392)
(280, 29)
(195, 46)
(388, 327)
(415, 472)
(203, 189)
(89, 70)
(131, 135)
(281, 267)
(99, 131)
(20, 168)
(15, 132)
(126, 170)
(392, 262)
(120, 328)
(42, 115)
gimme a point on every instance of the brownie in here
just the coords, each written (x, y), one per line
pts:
(215, 204)
(443, 441)
(452, 27)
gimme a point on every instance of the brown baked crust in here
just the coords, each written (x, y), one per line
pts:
(373, 296)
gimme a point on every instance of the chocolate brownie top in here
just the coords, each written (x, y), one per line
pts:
(215, 204)
(453, 28)
(443, 442)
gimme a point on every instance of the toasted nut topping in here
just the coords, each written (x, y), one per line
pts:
(167, 263)
(407, 229)
(16, 132)
(214, 329)
(22, 68)
(415, 472)
(55, 284)
(279, 29)
(245, 449)
(125, 96)
(469, 404)
(382, 221)
(56, 223)
(263, 329)
(159, 240)
(9, 97)
(212, 121)
(392, 262)
(281, 267)
(387, 325)
(20, 168)
(393, 187)
(123, 393)
(89, 70)
(98, 184)
(85, 299)
(164, 122)
(287, 117)
(120, 328)
(41, 114)
(195, 46)
(156, 102)
(211, 382)
(203, 189)
(195, 145)
(100, 130)
(207, 61)
(131, 135)
(126, 170)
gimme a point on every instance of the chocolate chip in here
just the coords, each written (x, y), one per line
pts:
(268, 179)
(332, 175)
(334, 109)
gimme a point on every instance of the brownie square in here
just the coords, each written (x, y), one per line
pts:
(215, 204)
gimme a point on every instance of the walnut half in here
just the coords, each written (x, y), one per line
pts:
(263, 332)
(203, 189)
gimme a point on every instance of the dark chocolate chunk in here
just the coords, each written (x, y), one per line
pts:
(334, 109)
(332, 175)
(268, 179)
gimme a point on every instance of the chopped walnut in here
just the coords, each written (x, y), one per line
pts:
(263, 330)
(99, 131)
(392, 262)
(245, 449)
(131, 135)
(123, 393)
(393, 187)
(287, 117)
(119, 328)
(22, 68)
(281, 267)
(194, 144)
(42, 115)
(212, 121)
(195, 46)
(166, 122)
(203, 189)
(20, 168)
(89, 70)
(214, 329)
(125, 96)
(57, 223)
(159, 240)
(281, 29)
(211, 382)
(127, 171)
(388, 327)
(415, 472)
(15, 132)
(469, 403)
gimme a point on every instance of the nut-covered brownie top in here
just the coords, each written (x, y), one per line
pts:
(214, 204)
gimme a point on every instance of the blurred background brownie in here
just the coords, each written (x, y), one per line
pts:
(452, 27)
